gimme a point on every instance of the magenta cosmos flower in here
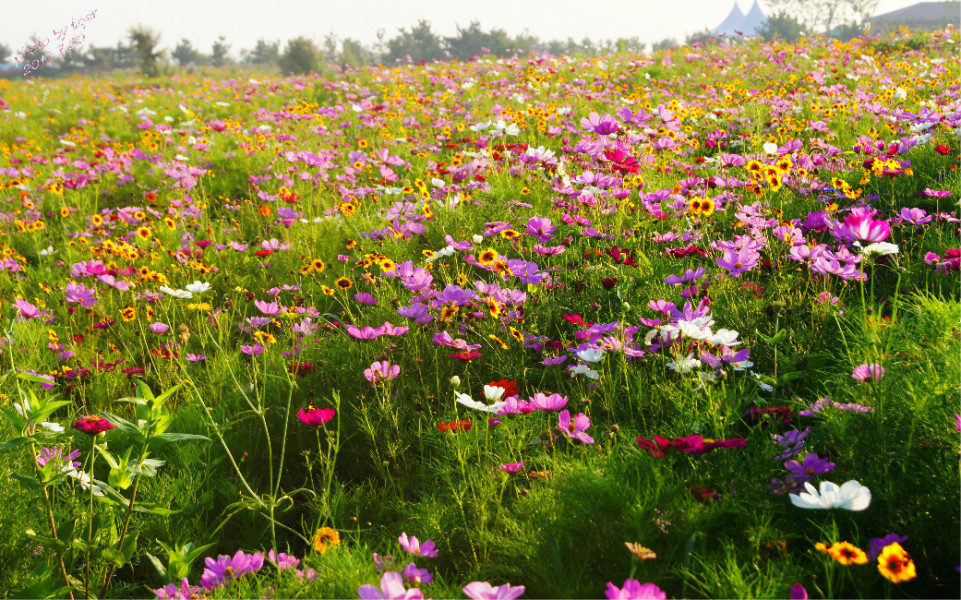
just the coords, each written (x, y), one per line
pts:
(413, 546)
(315, 416)
(868, 371)
(225, 568)
(862, 226)
(634, 590)
(542, 401)
(575, 428)
(92, 425)
(481, 590)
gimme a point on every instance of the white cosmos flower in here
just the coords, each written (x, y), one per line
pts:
(851, 495)
(881, 248)
(684, 365)
(176, 293)
(48, 251)
(770, 148)
(493, 392)
(591, 355)
(198, 287)
(471, 403)
(586, 371)
(723, 337)
(693, 331)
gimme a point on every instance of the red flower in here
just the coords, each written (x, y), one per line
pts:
(92, 425)
(455, 426)
(510, 388)
(465, 355)
(942, 150)
(609, 282)
(315, 416)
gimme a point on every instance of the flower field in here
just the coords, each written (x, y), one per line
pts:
(637, 326)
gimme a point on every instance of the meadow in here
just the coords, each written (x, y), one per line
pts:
(682, 324)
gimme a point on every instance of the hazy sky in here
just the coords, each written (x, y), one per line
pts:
(243, 22)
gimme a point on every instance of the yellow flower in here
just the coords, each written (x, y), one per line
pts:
(896, 564)
(326, 539)
(844, 553)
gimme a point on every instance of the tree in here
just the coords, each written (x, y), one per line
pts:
(4, 53)
(219, 52)
(300, 57)
(665, 44)
(420, 44)
(472, 41)
(354, 53)
(144, 42)
(100, 59)
(185, 53)
(264, 53)
(825, 14)
(782, 25)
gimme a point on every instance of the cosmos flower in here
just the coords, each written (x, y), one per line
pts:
(868, 371)
(851, 495)
(895, 564)
(574, 428)
(381, 371)
(634, 590)
(471, 403)
(391, 588)
(811, 466)
(92, 425)
(221, 570)
(315, 416)
(481, 590)
(844, 553)
(412, 545)
(197, 287)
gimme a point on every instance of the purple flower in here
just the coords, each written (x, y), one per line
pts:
(512, 467)
(383, 564)
(868, 371)
(634, 590)
(56, 454)
(541, 228)
(365, 333)
(792, 442)
(365, 298)
(158, 327)
(876, 545)
(689, 275)
(915, 216)
(412, 545)
(600, 125)
(575, 428)
(283, 560)
(225, 568)
(391, 588)
(77, 293)
(811, 465)
(184, 591)
(739, 260)
(481, 590)
(254, 350)
(550, 362)
(196, 357)
(270, 309)
(862, 226)
(414, 576)
(798, 592)
(26, 309)
(381, 371)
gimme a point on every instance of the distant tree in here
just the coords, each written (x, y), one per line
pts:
(4, 53)
(524, 42)
(420, 43)
(631, 44)
(144, 42)
(264, 53)
(665, 44)
(472, 41)
(219, 52)
(126, 56)
(826, 14)
(185, 53)
(782, 25)
(100, 59)
(354, 53)
(704, 37)
(300, 57)
(73, 60)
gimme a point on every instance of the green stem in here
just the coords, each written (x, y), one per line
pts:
(93, 459)
(53, 526)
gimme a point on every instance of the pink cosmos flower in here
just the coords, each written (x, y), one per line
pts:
(634, 590)
(413, 546)
(512, 467)
(552, 402)
(868, 371)
(159, 328)
(381, 371)
(575, 428)
(862, 226)
(391, 588)
(481, 590)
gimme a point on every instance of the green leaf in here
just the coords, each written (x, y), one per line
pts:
(156, 564)
(774, 341)
(14, 443)
(145, 507)
(786, 377)
(43, 539)
(29, 482)
(114, 556)
(180, 437)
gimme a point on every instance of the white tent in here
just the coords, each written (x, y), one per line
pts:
(727, 26)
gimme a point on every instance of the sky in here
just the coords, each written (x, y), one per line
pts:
(243, 22)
